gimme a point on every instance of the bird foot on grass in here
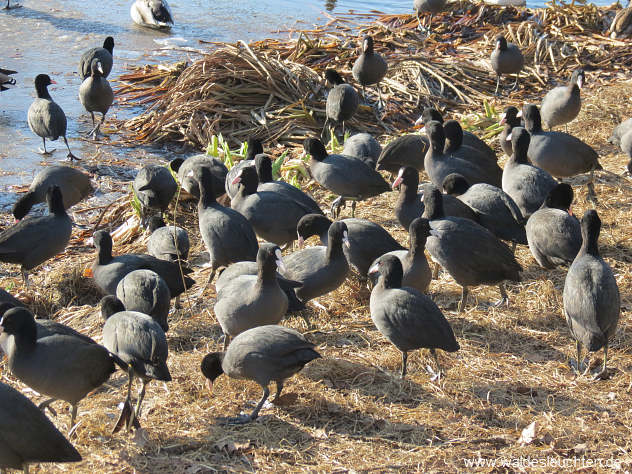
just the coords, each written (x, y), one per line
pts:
(434, 376)
(579, 369)
(124, 418)
(71, 157)
(235, 420)
(500, 302)
(603, 374)
(73, 429)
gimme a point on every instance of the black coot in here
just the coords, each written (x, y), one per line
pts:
(592, 303)
(154, 187)
(186, 178)
(364, 147)
(342, 101)
(554, 235)
(253, 149)
(370, 67)
(506, 59)
(169, 243)
(407, 150)
(509, 119)
(407, 317)
(562, 104)
(145, 292)
(96, 95)
(262, 354)
(104, 55)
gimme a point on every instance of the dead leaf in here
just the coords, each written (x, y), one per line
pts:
(529, 434)
(232, 447)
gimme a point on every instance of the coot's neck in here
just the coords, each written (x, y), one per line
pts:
(533, 124)
(207, 197)
(590, 243)
(408, 190)
(334, 249)
(26, 340)
(104, 255)
(266, 273)
(519, 155)
(42, 91)
(56, 207)
(392, 279)
(264, 170)
(434, 209)
(417, 245)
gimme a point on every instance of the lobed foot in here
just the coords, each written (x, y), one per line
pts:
(235, 420)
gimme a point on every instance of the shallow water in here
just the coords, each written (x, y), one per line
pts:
(49, 36)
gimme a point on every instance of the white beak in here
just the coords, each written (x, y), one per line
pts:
(345, 239)
(508, 137)
(419, 121)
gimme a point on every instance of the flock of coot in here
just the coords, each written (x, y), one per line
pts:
(464, 218)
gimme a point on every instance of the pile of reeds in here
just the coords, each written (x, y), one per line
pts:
(275, 89)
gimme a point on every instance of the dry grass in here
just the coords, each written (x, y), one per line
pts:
(350, 410)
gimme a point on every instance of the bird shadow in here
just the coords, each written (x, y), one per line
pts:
(67, 24)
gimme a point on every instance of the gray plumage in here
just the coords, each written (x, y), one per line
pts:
(591, 297)
(526, 184)
(227, 234)
(154, 187)
(407, 150)
(73, 184)
(146, 292)
(506, 59)
(495, 210)
(96, 95)
(406, 317)
(342, 100)
(251, 268)
(152, 13)
(626, 147)
(364, 147)
(370, 67)
(559, 153)
(254, 148)
(562, 104)
(271, 210)
(34, 240)
(620, 130)
(439, 164)
(46, 119)
(320, 269)
(59, 366)
(107, 270)
(167, 242)
(27, 436)
(187, 180)
(429, 6)
(104, 55)
(470, 253)
(262, 354)
(417, 273)
(367, 240)
(554, 235)
(249, 301)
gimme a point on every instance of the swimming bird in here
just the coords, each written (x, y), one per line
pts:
(417, 273)
(562, 104)
(104, 55)
(367, 240)
(169, 243)
(227, 234)
(342, 100)
(146, 292)
(320, 269)
(272, 213)
(73, 184)
(59, 366)
(370, 67)
(509, 119)
(239, 269)
(405, 151)
(348, 177)
(495, 210)
(108, 270)
(410, 204)
(34, 240)
(141, 343)
(559, 153)
(46, 119)
(262, 354)
(6, 79)
(27, 436)
(554, 235)
(506, 59)
(526, 184)
(364, 147)
(96, 95)
(249, 301)
(439, 164)
(187, 179)
(470, 253)
(152, 13)
(253, 149)
(154, 187)
(592, 303)
(406, 317)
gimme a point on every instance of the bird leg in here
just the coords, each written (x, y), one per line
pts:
(339, 203)
(592, 195)
(242, 419)
(364, 95)
(226, 341)
(322, 134)
(404, 363)
(70, 155)
(435, 271)
(464, 292)
(353, 206)
(436, 375)
(46, 404)
(418, 20)
(513, 247)
(515, 86)
(141, 396)
(380, 103)
(73, 417)
(577, 367)
(603, 374)
(127, 416)
(279, 386)
(44, 151)
(25, 278)
(497, 84)
(503, 295)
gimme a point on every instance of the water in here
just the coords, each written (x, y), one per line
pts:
(49, 36)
